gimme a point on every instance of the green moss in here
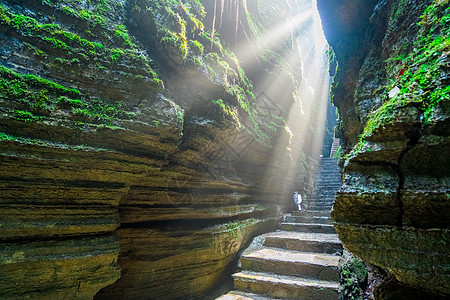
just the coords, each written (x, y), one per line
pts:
(116, 54)
(226, 109)
(4, 19)
(122, 34)
(175, 42)
(39, 102)
(197, 47)
(25, 116)
(420, 85)
(39, 82)
(41, 96)
(65, 102)
(438, 95)
(398, 9)
(38, 142)
(69, 44)
(353, 275)
(235, 229)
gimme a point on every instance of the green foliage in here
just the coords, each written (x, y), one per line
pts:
(35, 81)
(339, 153)
(122, 33)
(438, 95)
(235, 229)
(42, 96)
(212, 73)
(40, 102)
(226, 109)
(398, 9)
(353, 275)
(197, 47)
(175, 41)
(75, 50)
(65, 102)
(420, 85)
(333, 67)
(116, 54)
(4, 19)
(25, 116)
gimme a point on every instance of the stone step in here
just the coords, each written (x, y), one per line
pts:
(323, 200)
(238, 295)
(336, 183)
(328, 171)
(324, 190)
(305, 227)
(319, 207)
(320, 204)
(307, 219)
(335, 186)
(328, 185)
(324, 193)
(328, 162)
(285, 287)
(317, 194)
(292, 263)
(328, 167)
(307, 242)
(318, 213)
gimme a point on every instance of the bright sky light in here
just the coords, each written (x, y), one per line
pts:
(321, 42)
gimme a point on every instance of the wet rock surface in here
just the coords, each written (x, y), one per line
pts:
(392, 208)
(137, 156)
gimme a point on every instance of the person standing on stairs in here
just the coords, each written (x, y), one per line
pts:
(298, 200)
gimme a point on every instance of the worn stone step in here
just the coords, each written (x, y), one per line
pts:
(328, 189)
(332, 174)
(292, 263)
(328, 167)
(307, 219)
(332, 186)
(325, 191)
(319, 207)
(318, 213)
(321, 200)
(328, 195)
(308, 242)
(285, 287)
(322, 190)
(306, 227)
(238, 295)
(327, 186)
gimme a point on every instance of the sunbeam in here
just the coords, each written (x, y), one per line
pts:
(306, 115)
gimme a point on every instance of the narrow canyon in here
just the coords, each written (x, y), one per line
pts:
(145, 143)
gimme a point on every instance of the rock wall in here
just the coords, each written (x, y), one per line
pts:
(393, 99)
(137, 156)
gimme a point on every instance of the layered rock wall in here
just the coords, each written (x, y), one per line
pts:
(393, 100)
(137, 156)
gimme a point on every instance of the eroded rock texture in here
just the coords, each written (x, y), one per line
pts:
(137, 157)
(393, 98)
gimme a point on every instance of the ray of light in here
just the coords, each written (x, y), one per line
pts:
(306, 118)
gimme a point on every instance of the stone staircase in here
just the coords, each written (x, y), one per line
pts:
(300, 260)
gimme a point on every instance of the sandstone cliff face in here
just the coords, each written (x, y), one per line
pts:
(136, 153)
(393, 100)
